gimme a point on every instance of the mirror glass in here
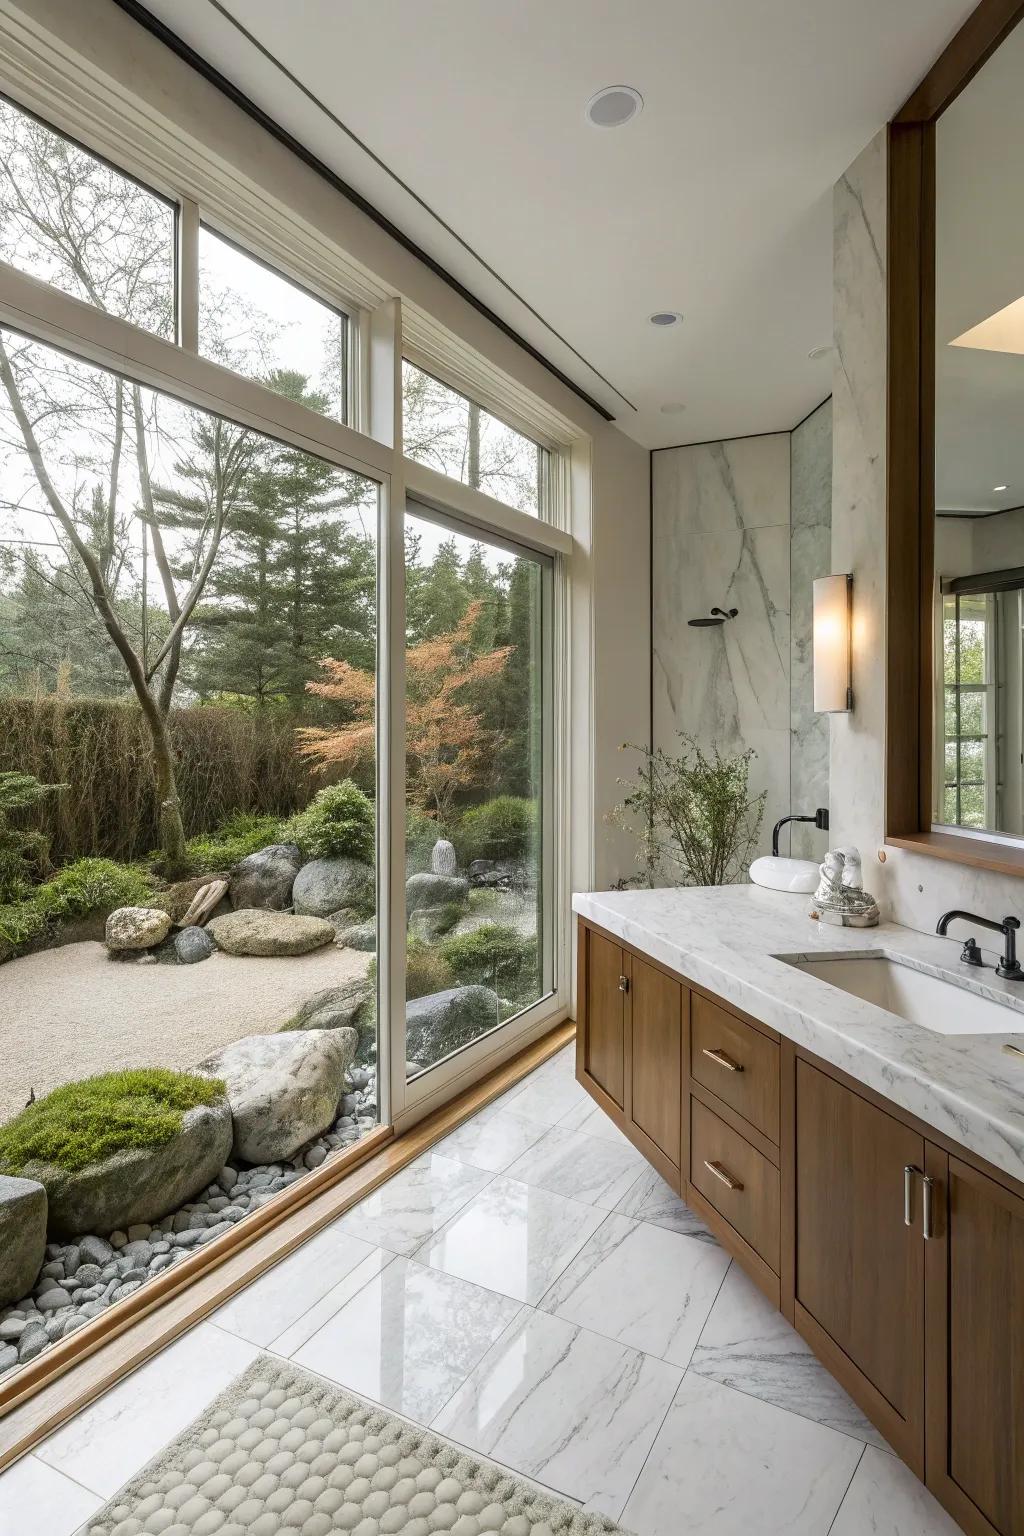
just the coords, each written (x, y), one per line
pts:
(978, 758)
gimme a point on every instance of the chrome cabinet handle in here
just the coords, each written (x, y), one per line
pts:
(908, 1194)
(927, 1227)
(623, 983)
(723, 1060)
(723, 1175)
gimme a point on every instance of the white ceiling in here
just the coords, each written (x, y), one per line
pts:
(715, 201)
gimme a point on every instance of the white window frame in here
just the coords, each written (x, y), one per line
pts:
(73, 103)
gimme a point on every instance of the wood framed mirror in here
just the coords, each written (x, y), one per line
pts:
(955, 453)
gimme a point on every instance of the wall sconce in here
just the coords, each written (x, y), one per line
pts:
(833, 632)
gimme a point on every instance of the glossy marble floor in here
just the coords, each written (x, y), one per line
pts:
(533, 1291)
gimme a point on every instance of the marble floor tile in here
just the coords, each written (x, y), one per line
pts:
(886, 1499)
(280, 1297)
(567, 1407)
(651, 1199)
(491, 1142)
(581, 1167)
(748, 1345)
(593, 1121)
(108, 1442)
(310, 1321)
(549, 1093)
(36, 1498)
(415, 1203)
(728, 1465)
(642, 1286)
(512, 1238)
(409, 1338)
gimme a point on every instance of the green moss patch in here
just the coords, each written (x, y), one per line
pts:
(84, 1123)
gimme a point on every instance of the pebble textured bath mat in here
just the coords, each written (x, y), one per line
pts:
(284, 1453)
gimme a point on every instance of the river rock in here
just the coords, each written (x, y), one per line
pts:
(255, 931)
(192, 945)
(283, 1089)
(430, 890)
(136, 928)
(441, 1022)
(333, 1007)
(140, 1183)
(22, 1236)
(324, 886)
(265, 878)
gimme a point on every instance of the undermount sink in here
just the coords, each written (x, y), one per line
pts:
(938, 1005)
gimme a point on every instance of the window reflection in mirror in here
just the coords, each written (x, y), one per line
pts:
(978, 780)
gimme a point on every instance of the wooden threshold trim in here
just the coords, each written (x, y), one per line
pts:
(38, 1402)
(976, 852)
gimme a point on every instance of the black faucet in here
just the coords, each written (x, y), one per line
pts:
(1009, 966)
(820, 819)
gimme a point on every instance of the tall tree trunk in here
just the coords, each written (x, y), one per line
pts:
(473, 454)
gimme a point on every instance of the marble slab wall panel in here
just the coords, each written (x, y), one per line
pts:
(915, 889)
(721, 539)
(810, 552)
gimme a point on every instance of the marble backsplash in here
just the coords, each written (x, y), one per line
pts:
(744, 524)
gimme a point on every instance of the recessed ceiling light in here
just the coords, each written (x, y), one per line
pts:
(1000, 487)
(613, 106)
(817, 352)
(672, 408)
(665, 317)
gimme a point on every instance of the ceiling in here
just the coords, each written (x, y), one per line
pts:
(715, 201)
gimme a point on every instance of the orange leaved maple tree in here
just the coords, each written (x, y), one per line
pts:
(447, 745)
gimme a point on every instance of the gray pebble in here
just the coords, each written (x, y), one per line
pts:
(139, 1251)
(12, 1328)
(118, 1239)
(53, 1299)
(187, 1239)
(88, 1274)
(217, 1231)
(136, 1273)
(72, 1259)
(92, 1309)
(95, 1250)
(218, 1202)
(127, 1289)
(163, 1246)
(139, 1232)
(32, 1342)
(8, 1357)
(160, 1262)
(227, 1178)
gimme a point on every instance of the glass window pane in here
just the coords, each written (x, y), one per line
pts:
(949, 807)
(973, 634)
(260, 324)
(71, 220)
(474, 691)
(973, 713)
(972, 761)
(972, 805)
(215, 766)
(950, 762)
(451, 434)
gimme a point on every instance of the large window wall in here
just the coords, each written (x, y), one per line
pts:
(281, 718)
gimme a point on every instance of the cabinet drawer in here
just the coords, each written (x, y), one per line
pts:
(737, 1180)
(737, 1063)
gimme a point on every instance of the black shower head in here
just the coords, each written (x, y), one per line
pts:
(718, 616)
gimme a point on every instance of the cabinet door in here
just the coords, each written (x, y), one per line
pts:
(859, 1274)
(602, 1048)
(656, 1063)
(976, 1351)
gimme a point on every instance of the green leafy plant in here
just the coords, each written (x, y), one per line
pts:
(500, 829)
(694, 815)
(339, 822)
(237, 837)
(426, 970)
(421, 833)
(493, 955)
(23, 851)
(83, 1123)
(93, 885)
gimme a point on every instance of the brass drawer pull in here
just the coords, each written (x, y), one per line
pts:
(722, 1174)
(723, 1060)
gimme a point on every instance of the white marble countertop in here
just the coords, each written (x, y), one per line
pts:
(728, 939)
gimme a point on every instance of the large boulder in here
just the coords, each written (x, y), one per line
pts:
(265, 878)
(360, 936)
(333, 1007)
(140, 1184)
(192, 945)
(441, 1022)
(22, 1236)
(324, 886)
(430, 890)
(136, 928)
(283, 1089)
(254, 931)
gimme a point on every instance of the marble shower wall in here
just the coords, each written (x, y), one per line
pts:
(810, 556)
(720, 538)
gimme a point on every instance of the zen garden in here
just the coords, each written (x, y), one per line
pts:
(188, 766)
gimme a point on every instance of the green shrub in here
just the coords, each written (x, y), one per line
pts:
(500, 829)
(93, 885)
(339, 822)
(21, 923)
(426, 970)
(493, 955)
(242, 834)
(83, 1123)
(24, 851)
(421, 833)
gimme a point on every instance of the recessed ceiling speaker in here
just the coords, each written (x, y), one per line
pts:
(614, 106)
